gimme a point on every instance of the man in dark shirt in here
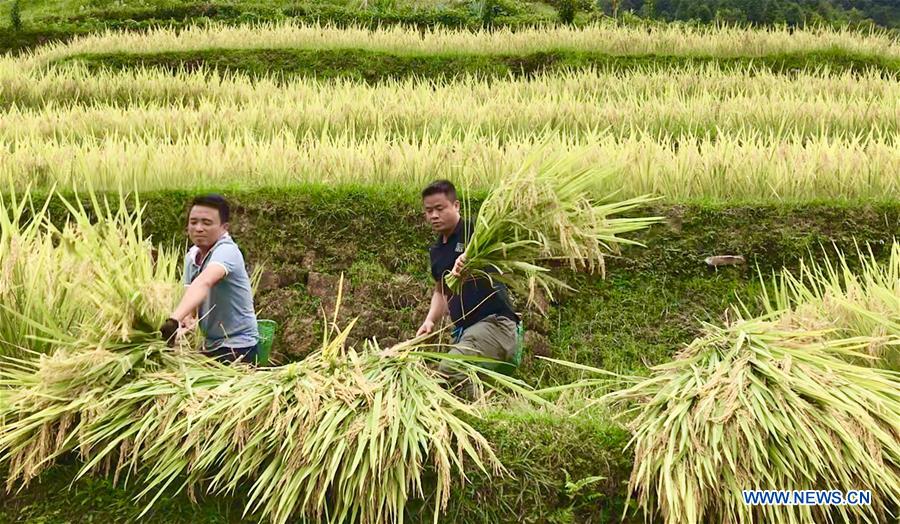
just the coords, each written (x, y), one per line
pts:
(486, 325)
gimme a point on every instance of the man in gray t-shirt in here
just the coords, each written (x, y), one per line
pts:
(217, 286)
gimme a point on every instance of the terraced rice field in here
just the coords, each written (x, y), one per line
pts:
(771, 146)
(694, 131)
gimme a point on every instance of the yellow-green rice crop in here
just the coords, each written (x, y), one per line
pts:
(737, 168)
(690, 132)
(71, 84)
(600, 38)
(35, 278)
(765, 404)
(700, 101)
(343, 434)
(541, 213)
(790, 400)
(56, 277)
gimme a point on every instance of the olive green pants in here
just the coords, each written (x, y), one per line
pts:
(492, 337)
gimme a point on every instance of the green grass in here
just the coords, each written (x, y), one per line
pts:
(55, 499)
(631, 321)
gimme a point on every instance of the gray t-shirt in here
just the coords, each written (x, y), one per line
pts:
(227, 317)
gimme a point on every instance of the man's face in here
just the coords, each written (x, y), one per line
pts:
(441, 213)
(205, 227)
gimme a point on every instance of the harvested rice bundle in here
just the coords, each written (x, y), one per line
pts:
(130, 285)
(854, 302)
(35, 278)
(107, 289)
(331, 440)
(341, 435)
(112, 291)
(762, 404)
(541, 213)
(99, 274)
(49, 402)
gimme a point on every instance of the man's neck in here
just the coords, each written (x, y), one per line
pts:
(201, 254)
(446, 236)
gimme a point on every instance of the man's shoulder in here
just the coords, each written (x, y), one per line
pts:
(228, 250)
(191, 254)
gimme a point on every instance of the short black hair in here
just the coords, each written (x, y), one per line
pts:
(214, 201)
(440, 186)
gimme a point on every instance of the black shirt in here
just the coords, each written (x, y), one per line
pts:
(479, 297)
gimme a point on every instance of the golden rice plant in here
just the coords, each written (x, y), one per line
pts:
(786, 401)
(33, 275)
(828, 93)
(107, 290)
(341, 435)
(48, 400)
(543, 213)
(764, 404)
(59, 276)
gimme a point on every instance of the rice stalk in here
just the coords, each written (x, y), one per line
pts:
(607, 38)
(33, 274)
(86, 299)
(342, 435)
(332, 440)
(666, 104)
(733, 168)
(69, 278)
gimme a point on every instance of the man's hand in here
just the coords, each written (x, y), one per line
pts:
(425, 329)
(169, 330)
(458, 265)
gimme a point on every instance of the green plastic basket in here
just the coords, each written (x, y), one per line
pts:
(520, 344)
(267, 329)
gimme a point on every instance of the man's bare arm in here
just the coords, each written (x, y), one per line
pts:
(436, 311)
(196, 293)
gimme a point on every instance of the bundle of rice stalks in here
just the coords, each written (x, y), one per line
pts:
(543, 213)
(763, 404)
(33, 277)
(864, 301)
(130, 285)
(106, 292)
(58, 281)
(341, 436)
(342, 440)
(48, 403)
